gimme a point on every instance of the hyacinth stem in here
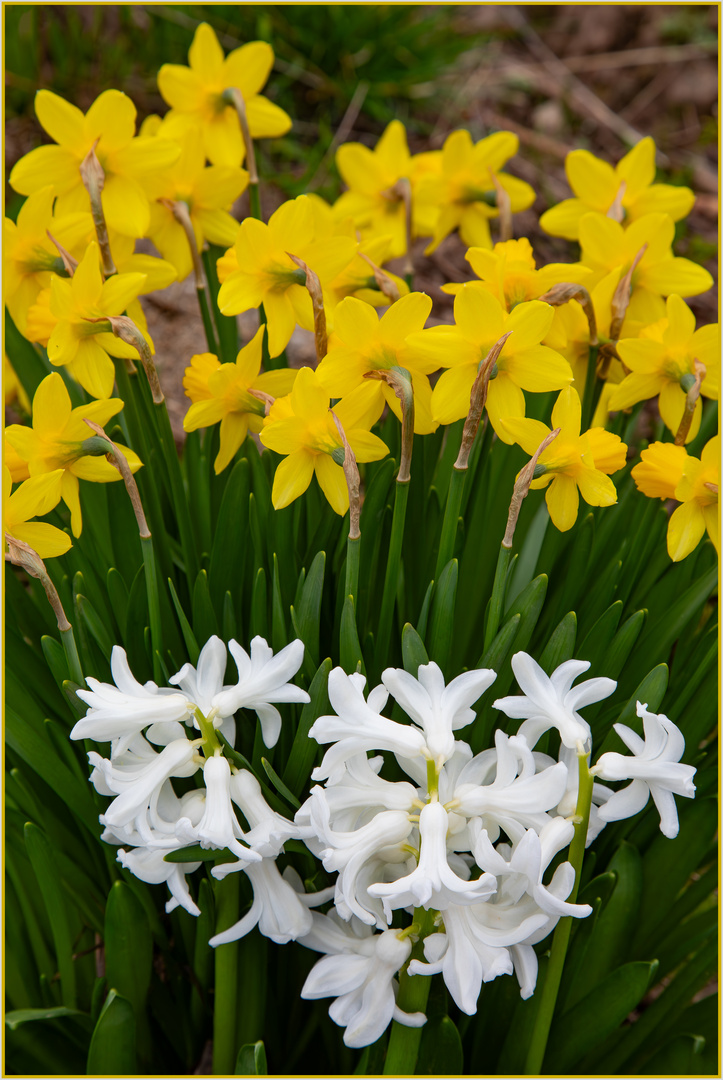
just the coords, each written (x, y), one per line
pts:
(591, 394)
(225, 1008)
(561, 937)
(391, 577)
(497, 599)
(154, 606)
(401, 1059)
(451, 519)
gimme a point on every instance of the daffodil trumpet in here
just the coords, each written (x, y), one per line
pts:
(93, 177)
(561, 936)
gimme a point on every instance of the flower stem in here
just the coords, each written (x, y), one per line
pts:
(391, 578)
(351, 583)
(592, 390)
(561, 938)
(178, 492)
(71, 655)
(497, 599)
(401, 1059)
(154, 605)
(225, 1009)
(451, 519)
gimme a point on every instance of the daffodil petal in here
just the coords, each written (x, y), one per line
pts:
(292, 478)
(562, 501)
(685, 529)
(332, 482)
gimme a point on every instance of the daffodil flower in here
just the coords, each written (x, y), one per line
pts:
(109, 126)
(363, 342)
(55, 441)
(208, 192)
(220, 392)
(76, 340)
(195, 94)
(35, 497)
(668, 472)
(509, 272)
(267, 275)
(661, 362)
(627, 189)
(605, 245)
(463, 189)
(480, 321)
(374, 199)
(30, 256)
(574, 464)
(301, 427)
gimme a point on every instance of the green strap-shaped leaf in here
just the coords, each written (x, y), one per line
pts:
(41, 857)
(251, 1060)
(413, 651)
(280, 786)
(423, 620)
(128, 946)
(227, 554)
(113, 1044)
(304, 749)
(561, 644)
(584, 1027)
(659, 637)
(189, 637)
(651, 691)
(278, 623)
(259, 615)
(350, 653)
(441, 628)
(204, 617)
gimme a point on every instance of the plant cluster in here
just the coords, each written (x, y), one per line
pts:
(368, 518)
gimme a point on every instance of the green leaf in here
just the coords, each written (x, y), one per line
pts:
(501, 645)
(597, 642)
(584, 1026)
(441, 629)
(423, 620)
(136, 620)
(440, 1051)
(204, 617)
(259, 616)
(128, 946)
(651, 691)
(189, 637)
(41, 856)
(413, 651)
(521, 573)
(54, 654)
(561, 644)
(226, 567)
(677, 1057)
(658, 639)
(280, 785)
(14, 1019)
(112, 1046)
(251, 1060)
(306, 615)
(117, 595)
(195, 853)
(304, 749)
(621, 647)
(46, 1041)
(350, 653)
(278, 626)
(95, 624)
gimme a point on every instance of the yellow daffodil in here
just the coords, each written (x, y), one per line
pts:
(17, 467)
(463, 191)
(302, 428)
(574, 464)
(661, 362)
(669, 472)
(37, 496)
(195, 94)
(55, 441)
(605, 245)
(509, 272)
(363, 342)
(13, 389)
(266, 275)
(626, 192)
(523, 364)
(128, 162)
(374, 199)
(77, 342)
(29, 255)
(208, 193)
(220, 392)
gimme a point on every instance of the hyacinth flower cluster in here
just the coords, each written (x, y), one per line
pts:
(462, 845)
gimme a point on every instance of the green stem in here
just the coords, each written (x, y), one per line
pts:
(225, 1007)
(255, 200)
(351, 584)
(497, 599)
(178, 491)
(154, 605)
(561, 938)
(391, 577)
(209, 326)
(211, 742)
(71, 655)
(591, 394)
(451, 519)
(401, 1059)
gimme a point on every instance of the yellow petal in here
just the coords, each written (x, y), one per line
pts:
(608, 451)
(48, 541)
(292, 478)
(671, 404)
(596, 488)
(450, 397)
(355, 322)
(601, 239)
(93, 369)
(591, 179)
(112, 119)
(87, 283)
(564, 219)
(35, 497)
(676, 276)
(677, 202)
(248, 67)
(526, 433)
(126, 206)
(180, 87)
(332, 482)
(206, 55)
(233, 430)
(711, 516)
(685, 528)
(566, 413)
(660, 470)
(366, 445)
(45, 163)
(529, 323)
(562, 501)
(407, 314)
(479, 315)
(51, 406)
(70, 491)
(63, 122)
(539, 369)
(637, 169)
(266, 120)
